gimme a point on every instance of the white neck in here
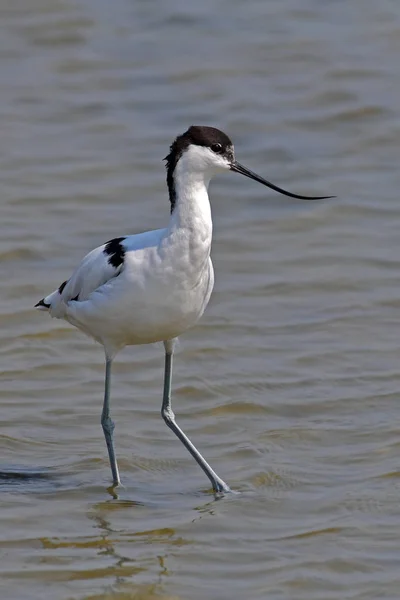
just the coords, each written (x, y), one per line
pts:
(192, 210)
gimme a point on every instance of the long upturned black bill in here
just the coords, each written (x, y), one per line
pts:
(238, 168)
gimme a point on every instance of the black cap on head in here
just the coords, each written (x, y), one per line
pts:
(197, 135)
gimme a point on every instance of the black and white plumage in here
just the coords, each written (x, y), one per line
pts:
(150, 287)
(100, 266)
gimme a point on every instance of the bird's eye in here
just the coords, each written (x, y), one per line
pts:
(217, 148)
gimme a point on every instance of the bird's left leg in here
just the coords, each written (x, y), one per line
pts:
(108, 424)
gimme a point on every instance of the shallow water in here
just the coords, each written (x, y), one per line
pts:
(289, 384)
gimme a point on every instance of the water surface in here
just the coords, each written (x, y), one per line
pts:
(290, 382)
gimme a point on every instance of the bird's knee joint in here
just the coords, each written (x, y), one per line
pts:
(168, 415)
(108, 425)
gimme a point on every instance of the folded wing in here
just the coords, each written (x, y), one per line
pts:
(97, 268)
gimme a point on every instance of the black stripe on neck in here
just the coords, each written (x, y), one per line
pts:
(171, 164)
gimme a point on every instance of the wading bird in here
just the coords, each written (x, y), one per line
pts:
(153, 286)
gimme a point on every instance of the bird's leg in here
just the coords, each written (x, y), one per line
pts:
(108, 425)
(169, 417)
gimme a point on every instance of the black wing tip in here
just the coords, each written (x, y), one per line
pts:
(42, 303)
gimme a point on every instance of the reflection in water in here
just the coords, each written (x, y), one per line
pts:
(27, 480)
(120, 553)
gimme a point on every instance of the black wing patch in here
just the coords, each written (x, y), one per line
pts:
(62, 286)
(115, 251)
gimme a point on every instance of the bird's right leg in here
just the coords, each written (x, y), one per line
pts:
(108, 425)
(219, 486)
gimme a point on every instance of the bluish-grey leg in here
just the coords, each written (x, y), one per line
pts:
(169, 417)
(108, 425)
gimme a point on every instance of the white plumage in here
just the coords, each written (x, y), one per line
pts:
(152, 286)
(152, 295)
